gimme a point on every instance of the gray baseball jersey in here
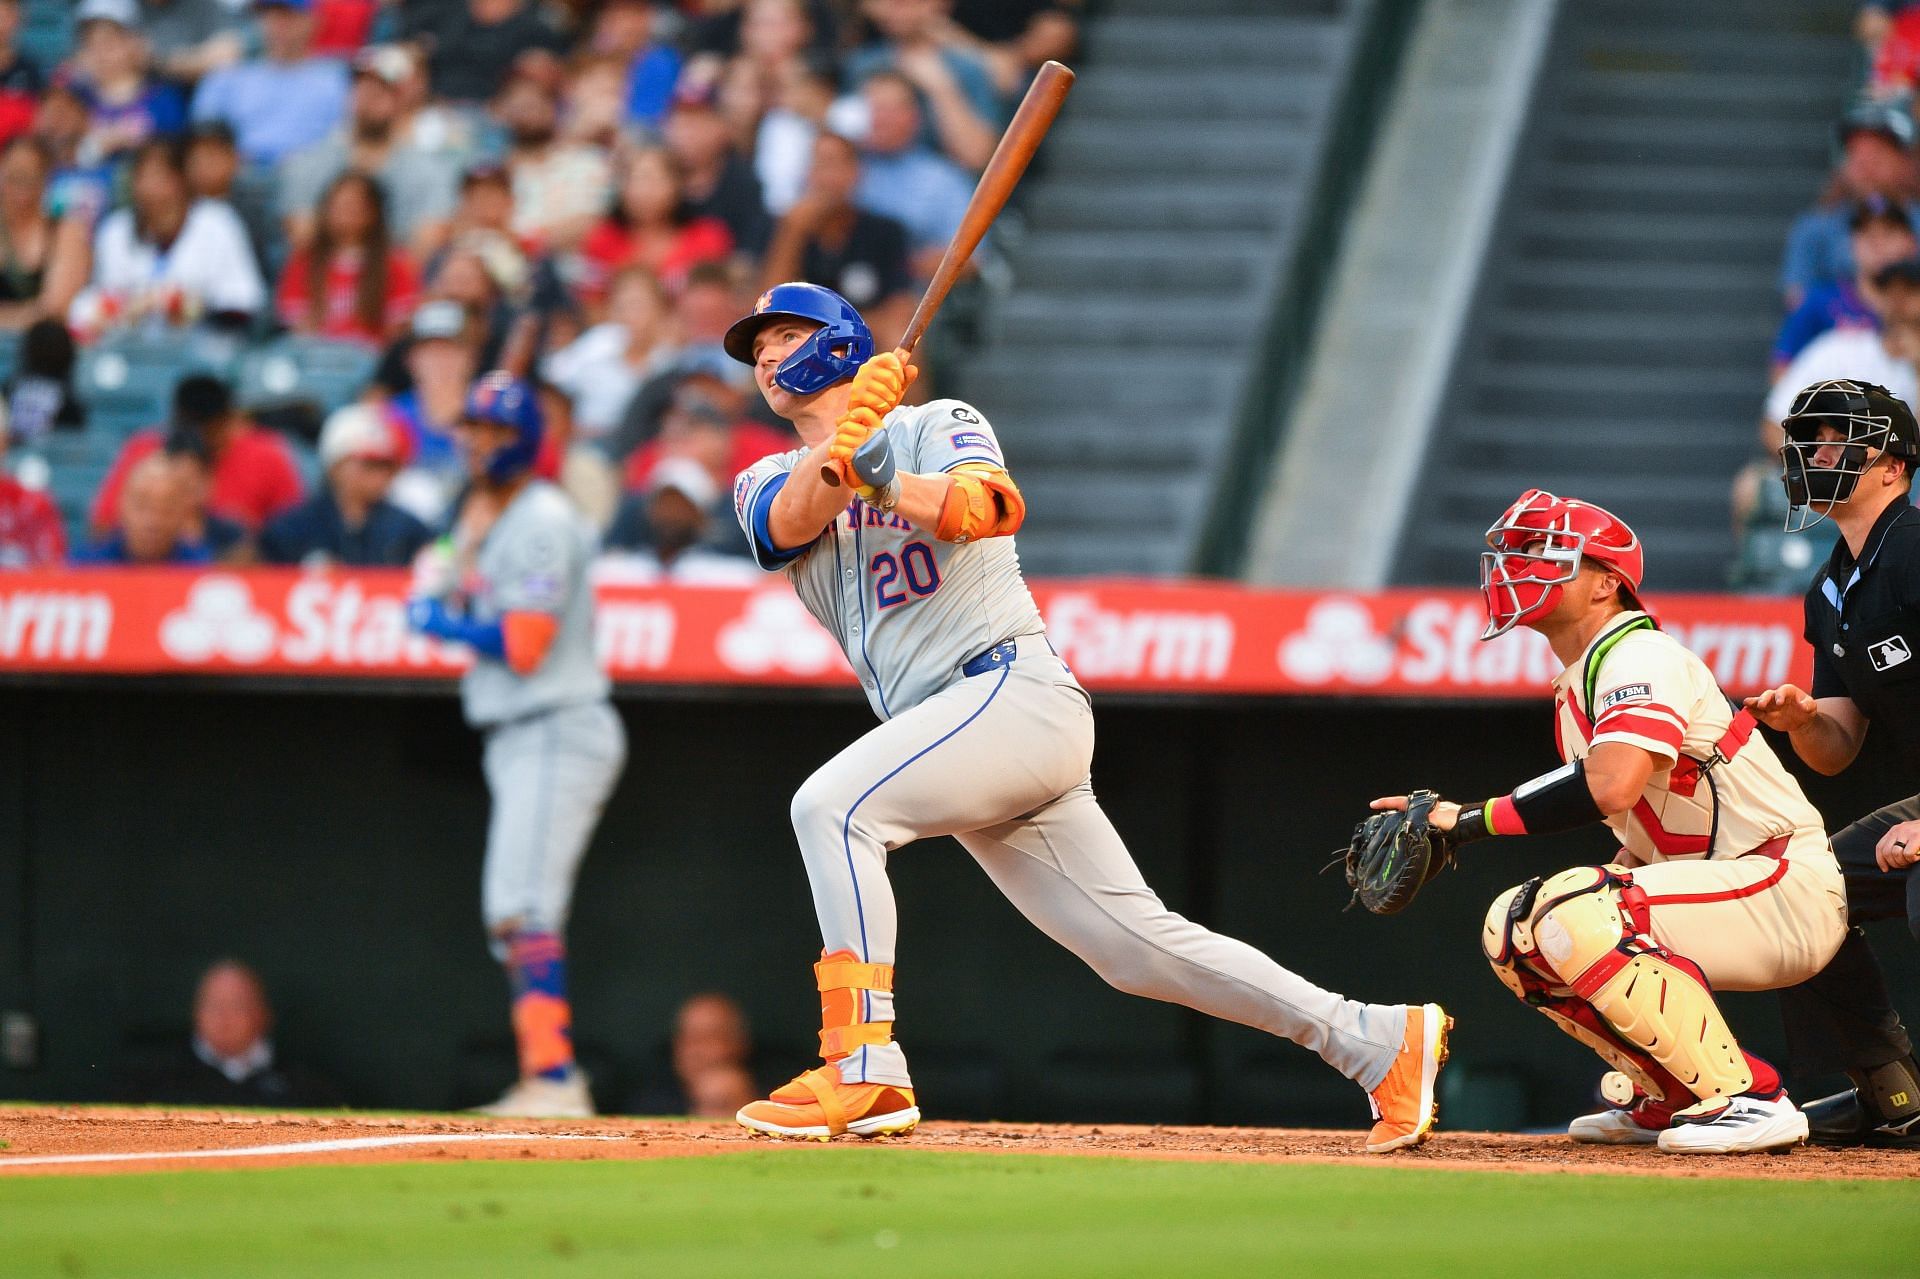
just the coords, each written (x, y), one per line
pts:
(535, 559)
(1000, 760)
(908, 609)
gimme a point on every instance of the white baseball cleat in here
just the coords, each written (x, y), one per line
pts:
(1611, 1128)
(543, 1099)
(1735, 1126)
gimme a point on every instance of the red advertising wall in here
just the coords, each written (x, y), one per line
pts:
(1165, 638)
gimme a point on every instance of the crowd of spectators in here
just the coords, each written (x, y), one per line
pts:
(588, 191)
(1849, 290)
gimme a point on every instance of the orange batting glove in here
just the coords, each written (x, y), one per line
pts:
(880, 383)
(850, 434)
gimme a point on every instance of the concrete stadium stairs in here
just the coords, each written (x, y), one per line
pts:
(1618, 344)
(1154, 232)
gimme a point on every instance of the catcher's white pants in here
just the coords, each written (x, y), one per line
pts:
(1000, 761)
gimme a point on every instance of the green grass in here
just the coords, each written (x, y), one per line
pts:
(896, 1213)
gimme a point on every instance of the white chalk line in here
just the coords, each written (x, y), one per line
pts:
(304, 1147)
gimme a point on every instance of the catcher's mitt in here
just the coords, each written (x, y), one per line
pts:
(1393, 854)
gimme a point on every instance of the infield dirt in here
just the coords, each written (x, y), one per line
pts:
(142, 1138)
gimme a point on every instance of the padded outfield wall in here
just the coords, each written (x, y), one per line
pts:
(333, 839)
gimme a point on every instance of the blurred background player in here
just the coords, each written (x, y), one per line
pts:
(230, 1058)
(1850, 452)
(513, 588)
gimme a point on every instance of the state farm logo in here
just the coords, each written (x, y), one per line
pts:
(58, 625)
(1134, 643)
(1434, 644)
(1338, 643)
(777, 634)
(218, 620)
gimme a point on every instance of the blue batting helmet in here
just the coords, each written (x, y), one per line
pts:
(834, 353)
(503, 399)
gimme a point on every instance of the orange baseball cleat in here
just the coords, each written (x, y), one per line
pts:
(816, 1106)
(1405, 1104)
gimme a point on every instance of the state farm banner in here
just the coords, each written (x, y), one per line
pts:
(1147, 637)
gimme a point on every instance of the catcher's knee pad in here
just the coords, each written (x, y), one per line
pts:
(1657, 1002)
(1507, 937)
(841, 979)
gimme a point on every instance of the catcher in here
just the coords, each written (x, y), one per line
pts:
(1724, 876)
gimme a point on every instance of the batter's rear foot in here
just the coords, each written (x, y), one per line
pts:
(1406, 1104)
(816, 1106)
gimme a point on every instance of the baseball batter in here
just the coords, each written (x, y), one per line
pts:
(1724, 878)
(520, 599)
(985, 736)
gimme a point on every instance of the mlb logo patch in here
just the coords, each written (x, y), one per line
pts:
(1889, 652)
(1625, 693)
(973, 440)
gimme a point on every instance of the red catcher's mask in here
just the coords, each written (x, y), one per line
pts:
(1537, 546)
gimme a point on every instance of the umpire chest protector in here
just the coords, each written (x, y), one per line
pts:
(1863, 621)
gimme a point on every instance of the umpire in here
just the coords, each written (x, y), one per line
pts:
(1850, 453)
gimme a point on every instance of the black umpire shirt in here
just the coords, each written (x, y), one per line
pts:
(1863, 621)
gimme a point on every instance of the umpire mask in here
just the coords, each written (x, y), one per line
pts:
(1857, 422)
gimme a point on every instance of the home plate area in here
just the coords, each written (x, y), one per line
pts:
(56, 1140)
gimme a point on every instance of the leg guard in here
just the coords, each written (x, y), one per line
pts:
(842, 980)
(1656, 1000)
(1508, 942)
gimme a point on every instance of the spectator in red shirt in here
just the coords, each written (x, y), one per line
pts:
(648, 226)
(30, 531)
(21, 79)
(351, 281)
(254, 474)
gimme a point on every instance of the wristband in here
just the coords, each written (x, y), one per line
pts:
(1556, 801)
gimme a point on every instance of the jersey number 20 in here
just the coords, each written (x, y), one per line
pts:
(915, 570)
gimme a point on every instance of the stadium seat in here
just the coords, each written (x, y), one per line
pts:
(46, 31)
(312, 372)
(127, 381)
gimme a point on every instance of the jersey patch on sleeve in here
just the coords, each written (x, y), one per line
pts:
(742, 484)
(1625, 693)
(972, 439)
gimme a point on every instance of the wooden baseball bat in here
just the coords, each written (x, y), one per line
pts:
(1017, 145)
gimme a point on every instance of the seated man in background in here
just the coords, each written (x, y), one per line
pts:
(31, 535)
(827, 237)
(903, 178)
(421, 184)
(1881, 235)
(230, 1060)
(157, 522)
(285, 99)
(227, 541)
(349, 521)
(668, 533)
(710, 1053)
(254, 474)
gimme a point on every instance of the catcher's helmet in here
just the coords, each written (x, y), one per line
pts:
(1864, 422)
(1522, 580)
(834, 353)
(503, 399)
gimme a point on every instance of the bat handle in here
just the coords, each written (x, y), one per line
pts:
(829, 475)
